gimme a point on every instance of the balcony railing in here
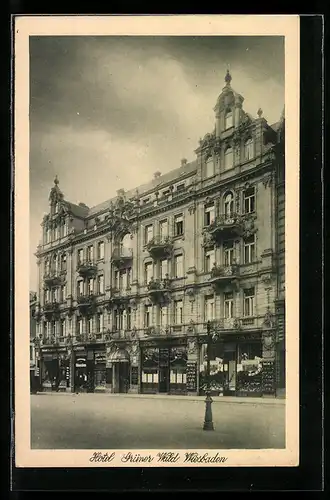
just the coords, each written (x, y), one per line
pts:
(159, 289)
(159, 246)
(122, 257)
(86, 302)
(221, 275)
(51, 308)
(87, 268)
(225, 226)
(54, 278)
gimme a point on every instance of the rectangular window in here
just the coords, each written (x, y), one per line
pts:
(63, 329)
(178, 266)
(180, 187)
(91, 286)
(249, 250)
(249, 302)
(99, 322)
(90, 325)
(116, 284)
(54, 328)
(166, 192)
(122, 279)
(63, 293)
(228, 248)
(249, 200)
(145, 201)
(63, 262)
(147, 316)
(128, 277)
(100, 284)
(80, 256)
(229, 305)
(209, 214)
(163, 316)
(128, 318)
(148, 233)
(163, 268)
(163, 229)
(80, 287)
(100, 250)
(148, 272)
(80, 326)
(90, 253)
(209, 260)
(209, 308)
(178, 225)
(178, 312)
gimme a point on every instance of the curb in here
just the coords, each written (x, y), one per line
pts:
(216, 399)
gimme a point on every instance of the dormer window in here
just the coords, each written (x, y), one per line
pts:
(228, 119)
(229, 158)
(248, 149)
(209, 167)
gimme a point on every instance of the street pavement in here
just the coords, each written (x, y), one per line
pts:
(98, 421)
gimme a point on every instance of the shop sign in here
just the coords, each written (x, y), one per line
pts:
(79, 348)
(81, 363)
(100, 357)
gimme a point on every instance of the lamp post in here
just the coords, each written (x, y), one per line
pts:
(208, 419)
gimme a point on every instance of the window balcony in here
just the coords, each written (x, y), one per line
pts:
(87, 268)
(119, 297)
(159, 247)
(51, 308)
(122, 257)
(54, 278)
(86, 303)
(157, 331)
(222, 275)
(224, 227)
(158, 290)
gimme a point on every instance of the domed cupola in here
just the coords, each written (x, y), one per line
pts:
(228, 109)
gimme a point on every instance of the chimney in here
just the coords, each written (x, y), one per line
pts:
(183, 162)
(157, 174)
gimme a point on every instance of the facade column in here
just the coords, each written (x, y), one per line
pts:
(69, 272)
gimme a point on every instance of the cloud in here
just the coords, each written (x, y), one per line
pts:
(106, 114)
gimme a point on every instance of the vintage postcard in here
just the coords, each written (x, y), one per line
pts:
(156, 241)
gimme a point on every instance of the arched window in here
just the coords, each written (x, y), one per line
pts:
(47, 266)
(248, 149)
(48, 235)
(229, 158)
(228, 119)
(209, 167)
(229, 204)
(56, 207)
(126, 245)
(55, 262)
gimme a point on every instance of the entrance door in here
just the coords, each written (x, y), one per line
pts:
(229, 363)
(123, 375)
(163, 380)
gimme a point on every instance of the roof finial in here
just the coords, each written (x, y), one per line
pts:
(259, 112)
(56, 181)
(228, 78)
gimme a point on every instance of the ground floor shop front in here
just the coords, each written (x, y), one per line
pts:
(242, 365)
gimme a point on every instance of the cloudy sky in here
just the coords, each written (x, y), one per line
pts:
(108, 112)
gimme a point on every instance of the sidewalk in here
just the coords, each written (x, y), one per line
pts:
(216, 399)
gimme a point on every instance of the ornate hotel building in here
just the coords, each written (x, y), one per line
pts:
(127, 288)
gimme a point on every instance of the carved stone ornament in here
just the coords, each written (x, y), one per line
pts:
(134, 347)
(192, 209)
(268, 340)
(191, 292)
(248, 228)
(266, 279)
(267, 180)
(207, 239)
(192, 346)
(269, 320)
(191, 328)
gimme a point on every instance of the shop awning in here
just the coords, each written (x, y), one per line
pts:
(119, 356)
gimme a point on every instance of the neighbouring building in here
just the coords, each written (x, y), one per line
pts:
(126, 288)
(33, 329)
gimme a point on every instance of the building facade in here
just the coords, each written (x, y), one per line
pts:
(127, 288)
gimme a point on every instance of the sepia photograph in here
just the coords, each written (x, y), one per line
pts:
(156, 181)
